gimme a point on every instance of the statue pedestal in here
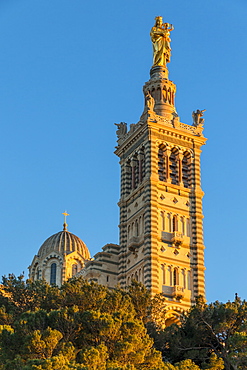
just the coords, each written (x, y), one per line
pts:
(159, 72)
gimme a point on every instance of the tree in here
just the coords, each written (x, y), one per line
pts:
(79, 326)
(218, 328)
(85, 326)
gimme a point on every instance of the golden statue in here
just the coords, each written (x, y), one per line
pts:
(160, 36)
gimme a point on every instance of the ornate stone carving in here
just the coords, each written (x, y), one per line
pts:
(121, 129)
(149, 101)
(196, 116)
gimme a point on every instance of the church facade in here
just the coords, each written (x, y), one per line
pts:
(161, 219)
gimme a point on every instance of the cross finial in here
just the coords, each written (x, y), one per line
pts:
(65, 224)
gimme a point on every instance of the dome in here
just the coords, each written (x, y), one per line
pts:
(64, 242)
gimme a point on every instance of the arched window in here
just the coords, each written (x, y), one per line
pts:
(169, 95)
(182, 225)
(142, 165)
(186, 170)
(158, 94)
(174, 166)
(175, 277)
(173, 97)
(184, 278)
(53, 276)
(38, 274)
(164, 94)
(128, 175)
(162, 163)
(169, 222)
(74, 269)
(174, 224)
(188, 227)
(129, 231)
(136, 228)
(162, 220)
(169, 276)
(153, 93)
(134, 172)
(189, 279)
(163, 268)
(140, 226)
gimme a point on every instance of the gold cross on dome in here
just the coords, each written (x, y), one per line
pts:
(65, 223)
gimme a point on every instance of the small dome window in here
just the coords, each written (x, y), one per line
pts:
(74, 269)
(53, 276)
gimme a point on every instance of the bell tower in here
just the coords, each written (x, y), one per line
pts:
(161, 230)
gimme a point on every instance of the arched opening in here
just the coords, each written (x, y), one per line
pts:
(128, 176)
(158, 94)
(174, 166)
(172, 318)
(162, 163)
(186, 170)
(163, 224)
(169, 95)
(74, 269)
(38, 273)
(169, 222)
(173, 98)
(189, 280)
(140, 225)
(175, 277)
(184, 278)
(135, 172)
(163, 268)
(53, 276)
(164, 94)
(136, 276)
(188, 227)
(174, 223)
(142, 169)
(169, 276)
(136, 228)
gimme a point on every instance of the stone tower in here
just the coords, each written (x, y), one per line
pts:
(161, 231)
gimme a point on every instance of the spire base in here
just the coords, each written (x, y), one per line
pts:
(159, 72)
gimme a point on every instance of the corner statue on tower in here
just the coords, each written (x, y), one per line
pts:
(161, 42)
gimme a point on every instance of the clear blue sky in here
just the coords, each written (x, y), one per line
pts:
(69, 69)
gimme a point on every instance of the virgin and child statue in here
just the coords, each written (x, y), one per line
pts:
(160, 36)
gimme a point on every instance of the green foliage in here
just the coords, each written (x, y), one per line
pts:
(218, 328)
(215, 363)
(78, 326)
(141, 299)
(85, 326)
(94, 358)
